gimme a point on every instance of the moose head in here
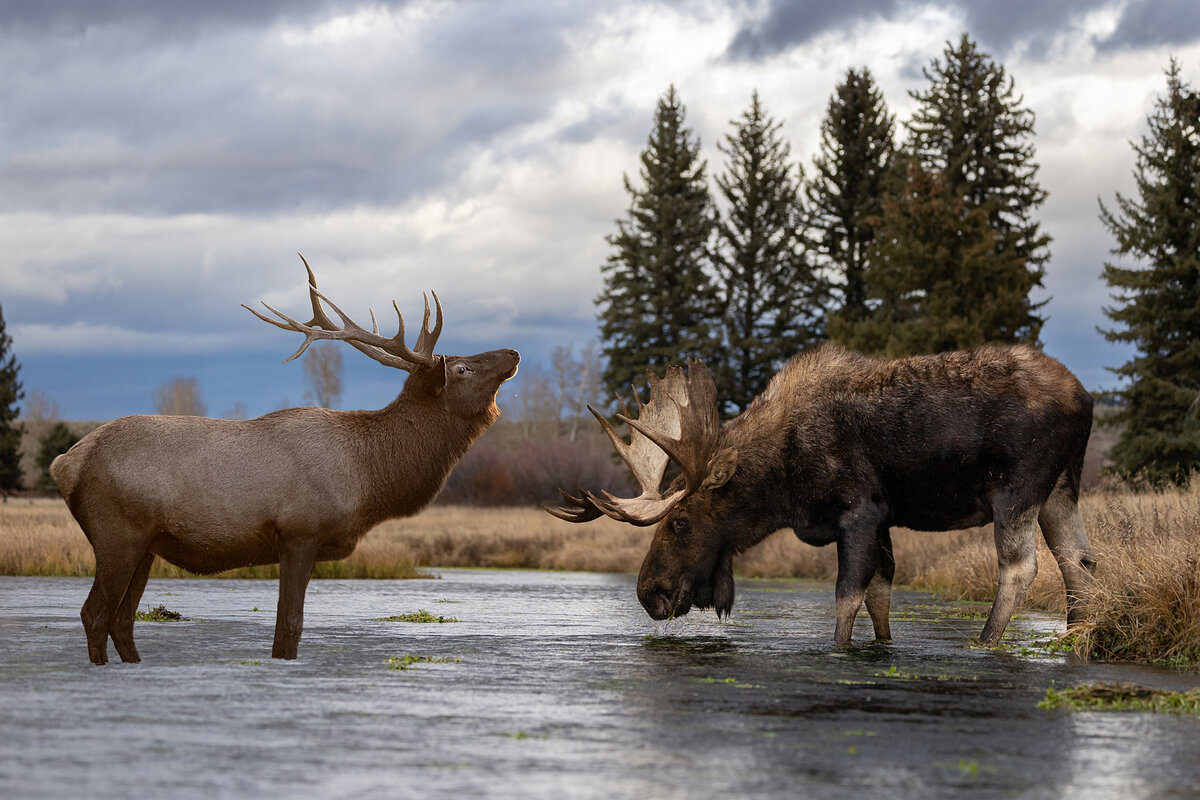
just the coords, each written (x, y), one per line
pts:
(690, 562)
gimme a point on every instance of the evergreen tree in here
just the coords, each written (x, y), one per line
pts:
(658, 303)
(57, 441)
(970, 127)
(933, 280)
(852, 171)
(1158, 302)
(771, 295)
(10, 430)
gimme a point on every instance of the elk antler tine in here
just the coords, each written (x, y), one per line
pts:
(374, 324)
(349, 323)
(400, 321)
(265, 318)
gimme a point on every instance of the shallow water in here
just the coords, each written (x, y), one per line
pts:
(564, 689)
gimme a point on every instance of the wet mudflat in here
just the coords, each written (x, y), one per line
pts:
(556, 685)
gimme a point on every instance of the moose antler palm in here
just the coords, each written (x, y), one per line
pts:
(390, 351)
(679, 424)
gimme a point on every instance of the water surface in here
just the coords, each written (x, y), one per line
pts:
(556, 685)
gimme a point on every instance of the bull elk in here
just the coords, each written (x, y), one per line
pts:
(840, 448)
(293, 487)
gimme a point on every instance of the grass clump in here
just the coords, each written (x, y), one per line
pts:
(408, 659)
(1121, 697)
(159, 614)
(418, 616)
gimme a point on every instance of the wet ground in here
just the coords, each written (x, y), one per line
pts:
(556, 685)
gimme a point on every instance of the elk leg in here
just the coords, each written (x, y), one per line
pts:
(295, 568)
(1063, 530)
(122, 629)
(114, 568)
(879, 590)
(1016, 555)
(858, 563)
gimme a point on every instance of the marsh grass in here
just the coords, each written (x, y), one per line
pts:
(159, 614)
(418, 616)
(1121, 697)
(1145, 604)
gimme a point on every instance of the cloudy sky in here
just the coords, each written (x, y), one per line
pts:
(161, 163)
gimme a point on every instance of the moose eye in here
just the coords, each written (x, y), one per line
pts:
(680, 525)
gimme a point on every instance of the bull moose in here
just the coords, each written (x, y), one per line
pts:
(293, 487)
(840, 447)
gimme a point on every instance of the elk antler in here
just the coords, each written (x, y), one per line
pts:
(678, 424)
(390, 351)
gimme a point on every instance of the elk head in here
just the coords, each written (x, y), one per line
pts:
(690, 561)
(464, 385)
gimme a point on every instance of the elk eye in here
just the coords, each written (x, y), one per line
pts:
(463, 369)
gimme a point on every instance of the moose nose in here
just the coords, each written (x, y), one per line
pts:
(656, 603)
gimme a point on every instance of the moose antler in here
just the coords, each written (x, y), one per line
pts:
(678, 424)
(390, 351)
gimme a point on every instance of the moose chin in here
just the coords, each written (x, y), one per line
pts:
(840, 448)
(292, 488)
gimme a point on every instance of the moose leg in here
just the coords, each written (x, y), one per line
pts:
(858, 565)
(122, 629)
(295, 568)
(114, 568)
(879, 590)
(1016, 555)
(1062, 528)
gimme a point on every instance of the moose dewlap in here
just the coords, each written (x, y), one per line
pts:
(293, 487)
(840, 448)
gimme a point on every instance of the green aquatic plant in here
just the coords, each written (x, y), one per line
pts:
(420, 615)
(159, 614)
(408, 659)
(1121, 696)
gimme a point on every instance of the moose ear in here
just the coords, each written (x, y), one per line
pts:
(721, 468)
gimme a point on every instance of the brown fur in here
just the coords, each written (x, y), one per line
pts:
(841, 447)
(292, 487)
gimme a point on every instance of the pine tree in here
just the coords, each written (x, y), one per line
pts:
(771, 295)
(970, 127)
(10, 430)
(931, 261)
(658, 304)
(1158, 301)
(57, 441)
(852, 171)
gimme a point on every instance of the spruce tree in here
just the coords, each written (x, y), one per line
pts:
(846, 191)
(57, 441)
(970, 127)
(10, 430)
(1157, 301)
(771, 295)
(659, 303)
(931, 261)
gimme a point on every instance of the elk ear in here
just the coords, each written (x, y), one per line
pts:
(721, 469)
(442, 375)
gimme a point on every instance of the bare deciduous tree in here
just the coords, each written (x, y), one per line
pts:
(40, 407)
(323, 374)
(179, 397)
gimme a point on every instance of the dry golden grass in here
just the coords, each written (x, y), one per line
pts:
(1146, 602)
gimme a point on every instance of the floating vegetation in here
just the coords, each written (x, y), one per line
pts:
(732, 682)
(420, 615)
(408, 659)
(159, 614)
(1121, 696)
(250, 663)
